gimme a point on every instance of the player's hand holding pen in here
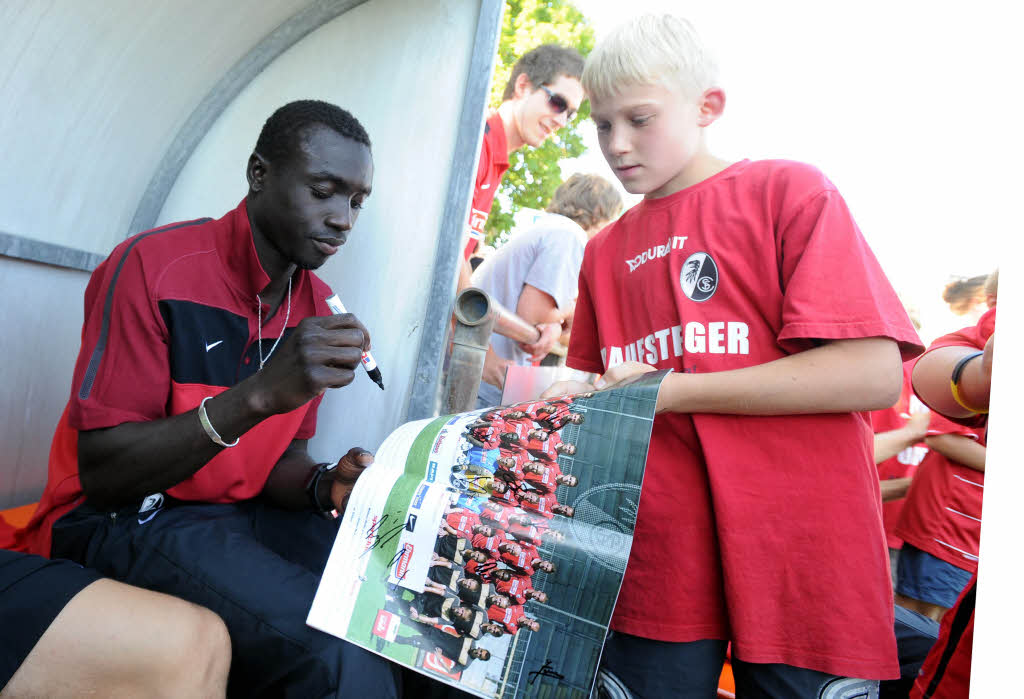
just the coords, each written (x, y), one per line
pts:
(321, 352)
(369, 363)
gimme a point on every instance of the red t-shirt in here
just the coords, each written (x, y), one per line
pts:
(489, 171)
(515, 588)
(758, 262)
(489, 544)
(942, 515)
(497, 518)
(545, 449)
(521, 562)
(509, 498)
(534, 410)
(170, 318)
(544, 483)
(543, 506)
(530, 534)
(513, 474)
(904, 464)
(463, 521)
(508, 617)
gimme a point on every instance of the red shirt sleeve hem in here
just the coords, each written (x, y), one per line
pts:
(103, 417)
(910, 346)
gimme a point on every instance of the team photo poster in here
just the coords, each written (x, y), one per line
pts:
(486, 549)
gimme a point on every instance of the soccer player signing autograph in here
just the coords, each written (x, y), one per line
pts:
(752, 282)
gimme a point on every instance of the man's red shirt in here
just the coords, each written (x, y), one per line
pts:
(489, 171)
(171, 317)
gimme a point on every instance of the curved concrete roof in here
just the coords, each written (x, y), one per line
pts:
(103, 103)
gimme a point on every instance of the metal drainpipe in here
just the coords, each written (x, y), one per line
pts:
(477, 315)
(513, 326)
(473, 325)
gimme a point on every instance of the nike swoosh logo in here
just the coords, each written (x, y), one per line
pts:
(213, 344)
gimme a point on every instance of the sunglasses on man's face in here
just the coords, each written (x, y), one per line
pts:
(559, 104)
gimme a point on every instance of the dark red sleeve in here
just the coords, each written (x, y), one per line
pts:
(124, 347)
(940, 425)
(308, 427)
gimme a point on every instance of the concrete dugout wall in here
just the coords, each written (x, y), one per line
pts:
(119, 116)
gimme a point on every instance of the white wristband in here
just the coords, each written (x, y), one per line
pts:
(204, 420)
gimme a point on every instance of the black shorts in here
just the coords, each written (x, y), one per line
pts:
(33, 591)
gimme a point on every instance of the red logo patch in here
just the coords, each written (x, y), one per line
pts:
(403, 562)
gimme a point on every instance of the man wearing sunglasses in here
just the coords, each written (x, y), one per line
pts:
(542, 95)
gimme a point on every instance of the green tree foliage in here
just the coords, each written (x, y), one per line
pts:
(533, 174)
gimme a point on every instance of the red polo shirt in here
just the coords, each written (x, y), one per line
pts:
(170, 318)
(489, 171)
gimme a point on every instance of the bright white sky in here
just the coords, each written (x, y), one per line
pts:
(899, 103)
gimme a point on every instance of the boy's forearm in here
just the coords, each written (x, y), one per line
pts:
(841, 376)
(963, 450)
(889, 444)
(894, 488)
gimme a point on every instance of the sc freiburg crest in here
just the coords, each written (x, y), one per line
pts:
(699, 277)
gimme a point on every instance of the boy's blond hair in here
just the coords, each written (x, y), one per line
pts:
(650, 50)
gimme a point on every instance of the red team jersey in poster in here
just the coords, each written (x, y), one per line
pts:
(782, 529)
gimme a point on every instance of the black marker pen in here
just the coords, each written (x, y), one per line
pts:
(336, 306)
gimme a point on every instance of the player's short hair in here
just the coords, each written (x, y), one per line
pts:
(650, 50)
(587, 200)
(543, 65)
(281, 133)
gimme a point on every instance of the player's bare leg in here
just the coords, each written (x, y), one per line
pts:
(115, 640)
(932, 611)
